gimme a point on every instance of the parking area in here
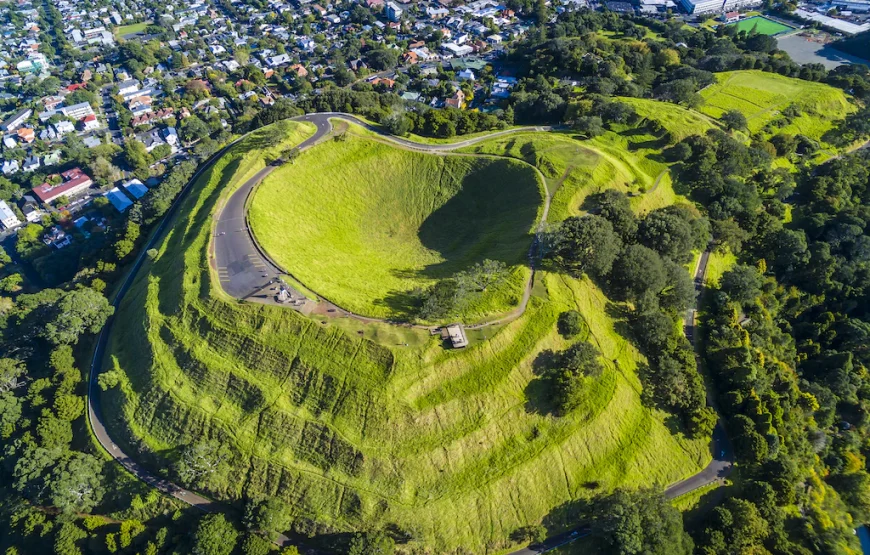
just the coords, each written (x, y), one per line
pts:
(806, 48)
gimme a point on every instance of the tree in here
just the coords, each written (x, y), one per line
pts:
(67, 538)
(589, 126)
(584, 245)
(194, 129)
(397, 124)
(566, 375)
(642, 522)
(137, 155)
(637, 272)
(734, 120)
(615, 207)
(79, 311)
(76, 484)
(482, 275)
(201, 459)
(371, 543)
(52, 431)
(104, 172)
(741, 283)
(256, 545)
(268, 515)
(571, 323)
(679, 291)
(532, 534)
(214, 535)
(668, 233)
(12, 374)
(441, 300)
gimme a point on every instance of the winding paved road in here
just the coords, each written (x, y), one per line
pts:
(244, 271)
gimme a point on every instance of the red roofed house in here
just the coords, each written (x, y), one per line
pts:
(456, 101)
(300, 70)
(75, 86)
(26, 135)
(75, 182)
(90, 122)
(383, 81)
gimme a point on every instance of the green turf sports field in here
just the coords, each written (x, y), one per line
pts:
(364, 223)
(761, 25)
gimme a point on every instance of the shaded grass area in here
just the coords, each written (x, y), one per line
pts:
(625, 158)
(353, 430)
(718, 264)
(369, 223)
(761, 96)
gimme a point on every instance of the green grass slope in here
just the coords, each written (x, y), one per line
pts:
(364, 223)
(760, 96)
(456, 448)
(626, 158)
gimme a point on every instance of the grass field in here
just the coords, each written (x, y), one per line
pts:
(368, 223)
(626, 159)
(761, 96)
(458, 448)
(761, 25)
(131, 29)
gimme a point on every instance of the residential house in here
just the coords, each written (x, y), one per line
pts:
(31, 163)
(17, 120)
(8, 219)
(90, 123)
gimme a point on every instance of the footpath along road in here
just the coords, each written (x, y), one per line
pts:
(248, 268)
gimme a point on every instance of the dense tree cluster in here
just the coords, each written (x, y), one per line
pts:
(640, 262)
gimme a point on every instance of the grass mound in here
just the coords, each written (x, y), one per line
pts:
(364, 223)
(761, 96)
(457, 449)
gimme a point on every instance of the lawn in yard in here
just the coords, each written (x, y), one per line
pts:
(132, 29)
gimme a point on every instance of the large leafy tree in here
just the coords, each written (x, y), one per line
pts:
(586, 245)
(214, 535)
(638, 272)
(79, 311)
(641, 522)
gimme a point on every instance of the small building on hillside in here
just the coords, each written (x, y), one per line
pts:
(455, 333)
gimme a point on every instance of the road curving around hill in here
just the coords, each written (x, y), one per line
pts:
(247, 269)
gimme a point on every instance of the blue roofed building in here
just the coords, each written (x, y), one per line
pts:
(118, 199)
(135, 188)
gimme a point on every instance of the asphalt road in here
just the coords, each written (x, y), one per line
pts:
(247, 270)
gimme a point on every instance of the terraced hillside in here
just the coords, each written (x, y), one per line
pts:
(458, 449)
(364, 223)
(762, 96)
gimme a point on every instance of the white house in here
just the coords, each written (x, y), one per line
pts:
(8, 219)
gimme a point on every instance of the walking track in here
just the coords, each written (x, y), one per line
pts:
(243, 269)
